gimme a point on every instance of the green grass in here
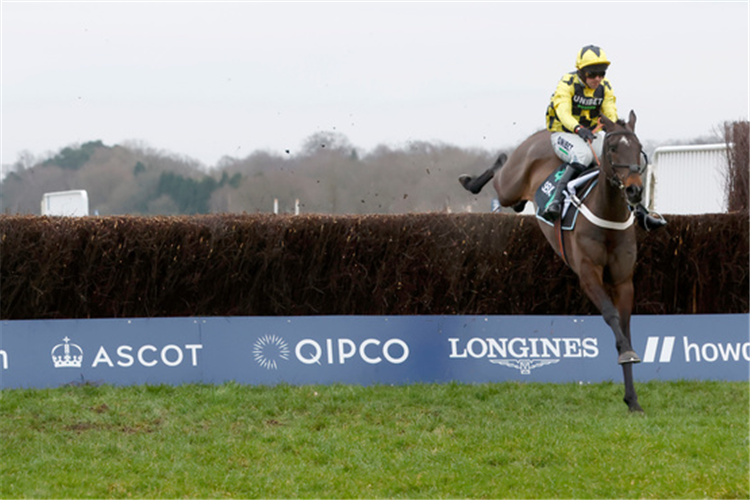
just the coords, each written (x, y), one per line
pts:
(417, 441)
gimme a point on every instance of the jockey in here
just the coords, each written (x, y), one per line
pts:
(581, 97)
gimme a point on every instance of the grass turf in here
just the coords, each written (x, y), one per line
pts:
(416, 441)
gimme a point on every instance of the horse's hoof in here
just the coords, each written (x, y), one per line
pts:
(651, 222)
(519, 207)
(628, 357)
(470, 183)
(466, 182)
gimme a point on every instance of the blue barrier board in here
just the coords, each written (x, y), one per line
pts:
(366, 350)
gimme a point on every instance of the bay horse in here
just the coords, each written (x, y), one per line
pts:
(601, 248)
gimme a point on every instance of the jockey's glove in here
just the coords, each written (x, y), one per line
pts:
(584, 133)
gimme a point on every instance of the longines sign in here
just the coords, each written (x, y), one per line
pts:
(366, 349)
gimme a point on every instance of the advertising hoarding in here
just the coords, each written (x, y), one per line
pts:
(366, 350)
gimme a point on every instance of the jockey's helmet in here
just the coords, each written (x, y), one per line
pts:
(592, 58)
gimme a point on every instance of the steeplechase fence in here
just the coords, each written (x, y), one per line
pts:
(366, 300)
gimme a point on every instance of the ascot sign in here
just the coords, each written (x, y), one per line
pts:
(170, 355)
(365, 350)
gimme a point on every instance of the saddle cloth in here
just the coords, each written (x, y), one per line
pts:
(584, 183)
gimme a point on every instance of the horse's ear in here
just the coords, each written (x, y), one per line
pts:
(631, 121)
(609, 125)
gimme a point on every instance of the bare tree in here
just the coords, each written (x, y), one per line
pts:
(737, 137)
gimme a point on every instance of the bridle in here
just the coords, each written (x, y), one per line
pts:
(613, 178)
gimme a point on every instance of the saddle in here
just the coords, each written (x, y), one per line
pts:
(583, 184)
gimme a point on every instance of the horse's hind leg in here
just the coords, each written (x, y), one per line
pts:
(517, 180)
(475, 184)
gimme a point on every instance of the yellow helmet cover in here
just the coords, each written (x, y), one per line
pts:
(591, 55)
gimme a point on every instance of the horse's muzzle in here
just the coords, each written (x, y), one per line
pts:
(634, 194)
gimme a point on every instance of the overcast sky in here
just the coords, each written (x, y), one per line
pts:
(208, 80)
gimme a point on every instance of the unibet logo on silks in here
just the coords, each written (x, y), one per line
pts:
(524, 354)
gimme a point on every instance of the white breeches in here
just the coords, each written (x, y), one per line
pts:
(570, 148)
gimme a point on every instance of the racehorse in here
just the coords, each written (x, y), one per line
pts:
(601, 247)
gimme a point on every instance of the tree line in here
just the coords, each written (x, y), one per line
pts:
(329, 175)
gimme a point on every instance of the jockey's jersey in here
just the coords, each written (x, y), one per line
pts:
(573, 104)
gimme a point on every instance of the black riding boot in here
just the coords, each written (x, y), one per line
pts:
(554, 207)
(646, 220)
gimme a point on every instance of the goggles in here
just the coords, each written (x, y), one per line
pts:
(595, 74)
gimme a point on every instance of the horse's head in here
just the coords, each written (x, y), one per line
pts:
(623, 159)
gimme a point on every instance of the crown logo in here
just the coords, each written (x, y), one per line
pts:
(62, 357)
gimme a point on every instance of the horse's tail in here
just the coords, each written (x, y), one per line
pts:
(475, 184)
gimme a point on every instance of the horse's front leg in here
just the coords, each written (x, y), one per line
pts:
(624, 295)
(590, 276)
(631, 398)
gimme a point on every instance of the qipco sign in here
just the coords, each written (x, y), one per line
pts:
(338, 351)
